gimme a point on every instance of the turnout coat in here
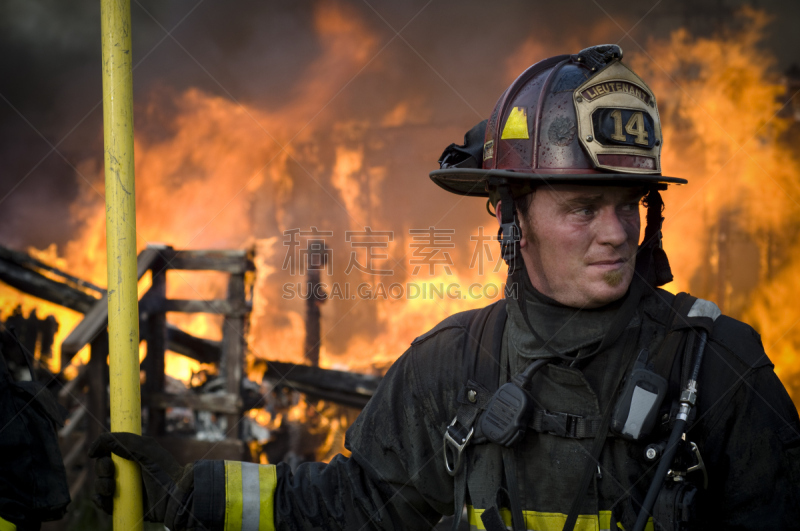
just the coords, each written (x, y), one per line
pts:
(745, 427)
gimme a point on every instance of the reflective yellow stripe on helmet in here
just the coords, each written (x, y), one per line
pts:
(249, 496)
(539, 521)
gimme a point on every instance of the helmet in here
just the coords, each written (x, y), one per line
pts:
(583, 118)
(578, 119)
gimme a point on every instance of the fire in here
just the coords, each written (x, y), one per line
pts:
(216, 173)
(724, 130)
(720, 106)
(403, 319)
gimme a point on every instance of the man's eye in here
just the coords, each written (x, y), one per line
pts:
(584, 211)
(628, 207)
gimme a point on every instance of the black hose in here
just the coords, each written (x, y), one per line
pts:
(525, 377)
(661, 473)
(674, 438)
(699, 359)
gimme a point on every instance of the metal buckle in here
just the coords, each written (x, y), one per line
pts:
(457, 448)
(700, 464)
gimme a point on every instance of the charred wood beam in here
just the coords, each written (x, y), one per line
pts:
(27, 261)
(178, 341)
(202, 350)
(313, 318)
(98, 380)
(232, 358)
(38, 285)
(94, 322)
(216, 403)
(215, 306)
(73, 421)
(156, 337)
(323, 378)
(317, 259)
(346, 388)
(96, 318)
(72, 387)
(354, 400)
(231, 261)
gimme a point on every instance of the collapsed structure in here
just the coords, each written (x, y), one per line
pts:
(207, 421)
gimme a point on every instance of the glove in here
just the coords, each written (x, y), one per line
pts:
(168, 486)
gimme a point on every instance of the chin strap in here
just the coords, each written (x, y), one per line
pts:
(660, 273)
(510, 234)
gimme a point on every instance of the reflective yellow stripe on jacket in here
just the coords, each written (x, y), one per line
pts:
(5, 525)
(249, 496)
(537, 521)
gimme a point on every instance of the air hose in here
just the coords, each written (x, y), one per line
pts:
(687, 401)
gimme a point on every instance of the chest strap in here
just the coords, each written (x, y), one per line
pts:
(472, 400)
(481, 371)
(565, 424)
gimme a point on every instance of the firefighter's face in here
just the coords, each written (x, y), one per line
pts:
(579, 242)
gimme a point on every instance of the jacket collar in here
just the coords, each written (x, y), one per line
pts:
(567, 329)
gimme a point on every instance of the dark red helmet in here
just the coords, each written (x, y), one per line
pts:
(584, 118)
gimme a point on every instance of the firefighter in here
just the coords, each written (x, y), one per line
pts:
(588, 398)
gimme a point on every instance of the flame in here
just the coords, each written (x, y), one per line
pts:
(402, 319)
(346, 179)
(722, 131)
(725, 131)
(774, 313)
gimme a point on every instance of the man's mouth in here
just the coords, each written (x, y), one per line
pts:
(608, 264)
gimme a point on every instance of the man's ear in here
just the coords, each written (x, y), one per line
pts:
(497, 213)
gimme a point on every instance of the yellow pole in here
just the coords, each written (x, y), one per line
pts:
(123, 304)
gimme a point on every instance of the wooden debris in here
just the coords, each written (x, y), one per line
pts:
(346, 388)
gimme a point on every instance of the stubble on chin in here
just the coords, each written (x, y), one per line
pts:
(613, 278)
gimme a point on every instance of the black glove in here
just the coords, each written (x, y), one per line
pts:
(168, 486)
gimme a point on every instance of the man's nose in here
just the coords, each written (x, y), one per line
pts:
(610, 229)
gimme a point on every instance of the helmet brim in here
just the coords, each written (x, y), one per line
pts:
(474, 181)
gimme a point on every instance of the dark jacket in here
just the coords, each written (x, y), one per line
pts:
(746, 428)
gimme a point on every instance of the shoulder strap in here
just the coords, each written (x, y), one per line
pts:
(483, 345)
(670, 347)
(674, 358)
(481, 370)
(481, 377)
